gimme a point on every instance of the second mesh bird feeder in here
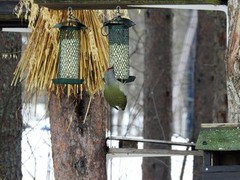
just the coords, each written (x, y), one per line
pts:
(69, 51)
(118, 38)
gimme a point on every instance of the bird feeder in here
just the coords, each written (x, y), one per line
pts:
(118, 38)
(69, 51)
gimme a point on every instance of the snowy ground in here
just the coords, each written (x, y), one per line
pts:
(177, 162)
(130, 168)
(36, 146)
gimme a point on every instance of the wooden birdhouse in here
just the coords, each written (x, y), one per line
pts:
(221, 146)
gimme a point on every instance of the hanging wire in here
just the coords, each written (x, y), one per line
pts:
(71, 17)
(70, 11)
(118, 8)
(104, 30)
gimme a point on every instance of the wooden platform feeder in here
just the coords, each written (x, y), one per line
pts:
(221, 146)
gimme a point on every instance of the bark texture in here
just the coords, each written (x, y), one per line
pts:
(233, 61)
(78, 149)
(157, 90)
(210, 104)
(10, 108)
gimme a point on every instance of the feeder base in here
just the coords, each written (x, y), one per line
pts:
(130, 79)
(67, 81)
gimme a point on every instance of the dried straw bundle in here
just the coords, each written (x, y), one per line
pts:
(38, 65)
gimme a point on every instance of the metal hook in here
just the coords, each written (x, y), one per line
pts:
(118, 8)
(69, 11)
(71, 17)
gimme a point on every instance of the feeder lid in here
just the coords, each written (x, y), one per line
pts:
(219, 137)
(119, 21)
(70, 24)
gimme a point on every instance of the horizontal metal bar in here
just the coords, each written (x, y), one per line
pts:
(119, 138)
(128, 152)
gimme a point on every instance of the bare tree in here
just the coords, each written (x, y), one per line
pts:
(210, 104)
(78, 147)
(10, 108)
(157, 89)
(232, 63)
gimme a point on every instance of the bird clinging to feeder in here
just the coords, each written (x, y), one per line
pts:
(114, 91)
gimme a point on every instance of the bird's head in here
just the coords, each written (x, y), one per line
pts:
(109, 74)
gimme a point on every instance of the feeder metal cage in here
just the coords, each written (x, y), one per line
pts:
(118, 38)
(69, 53)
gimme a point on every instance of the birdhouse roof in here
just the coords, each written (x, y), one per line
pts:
(219, 137)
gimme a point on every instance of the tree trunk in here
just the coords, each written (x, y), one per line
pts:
(78, 148)
(233, 62)
(210, 104)
(10, 108)
(157, 90)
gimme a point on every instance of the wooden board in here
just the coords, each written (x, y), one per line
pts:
(111, 4)
(219, 125)
(221, 172)
(7, 18)
(221, 176)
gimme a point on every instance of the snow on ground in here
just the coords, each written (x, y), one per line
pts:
(177, 162)
(37, 161)
(36, 146)
(125, 168)
(130, 168)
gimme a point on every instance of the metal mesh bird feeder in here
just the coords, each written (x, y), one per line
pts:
(69, 51)
(118, 38)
